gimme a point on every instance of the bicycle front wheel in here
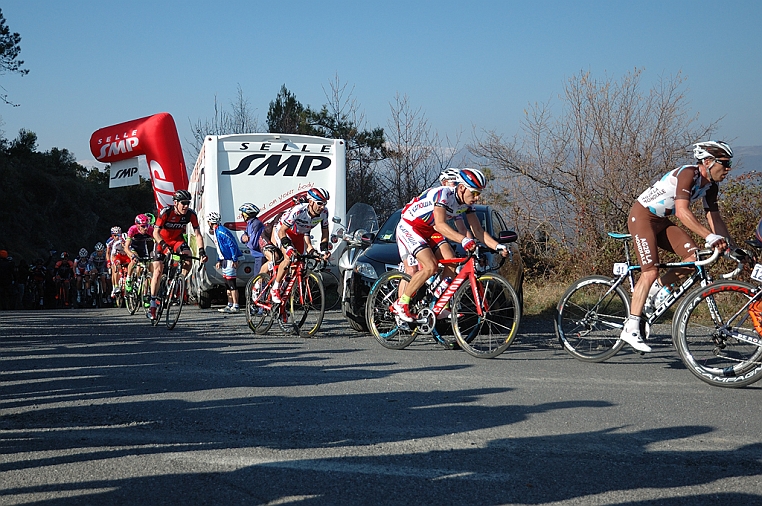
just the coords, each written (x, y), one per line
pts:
(382, 323)
(175, 298)
(716, 337)
(307, 304)
(258, 315)
(132, 298)
(590, 318)
(490, 333)
(161, 296)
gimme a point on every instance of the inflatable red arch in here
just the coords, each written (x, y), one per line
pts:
(156, 138)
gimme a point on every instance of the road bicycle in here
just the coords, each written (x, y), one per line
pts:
(717, 336)
(302, 294)
(140, 282)
(171, 294)
(484, 309)
(590, 315)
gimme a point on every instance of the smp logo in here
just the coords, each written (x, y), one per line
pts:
(291, 165)
(118, 147)
(125, 173)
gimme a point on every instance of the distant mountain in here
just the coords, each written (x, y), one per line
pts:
(747, 159)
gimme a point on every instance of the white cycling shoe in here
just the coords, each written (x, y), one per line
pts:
(633, 339)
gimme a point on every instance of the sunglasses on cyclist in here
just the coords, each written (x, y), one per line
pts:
(725, 163)
(475, 193)
(320, 203)
(184, 202)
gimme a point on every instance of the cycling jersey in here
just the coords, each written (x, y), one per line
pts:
(64, 268)
(98, 260)
(682, 183)
(82, 266)
(115, 246)
(299, 220)
(172, 225)
(37, 273)
(419, 213)
(141, 242)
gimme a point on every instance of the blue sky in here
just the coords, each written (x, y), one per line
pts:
(466, 65)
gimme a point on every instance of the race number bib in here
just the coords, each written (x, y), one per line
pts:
(756, 274)
(620, 268)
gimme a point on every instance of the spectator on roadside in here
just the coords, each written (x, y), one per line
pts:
(228, 254)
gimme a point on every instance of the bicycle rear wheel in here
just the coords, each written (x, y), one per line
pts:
(716, 338)
(307, 304)
(490, 334)
(258, 304)
(382, 322)
(331, 287)
(590, 318)
(175, 298)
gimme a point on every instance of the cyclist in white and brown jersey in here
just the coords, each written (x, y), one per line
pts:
(651, 228)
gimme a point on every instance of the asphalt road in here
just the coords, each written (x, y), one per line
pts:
(97, 407)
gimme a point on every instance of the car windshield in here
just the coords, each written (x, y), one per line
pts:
(389, 228)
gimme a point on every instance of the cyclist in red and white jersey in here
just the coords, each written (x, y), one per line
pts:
(168, 231)
(423, 230)
(651, 228)
(292, 233)
(115, 257)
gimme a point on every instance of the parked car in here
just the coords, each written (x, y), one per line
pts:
(383, 256)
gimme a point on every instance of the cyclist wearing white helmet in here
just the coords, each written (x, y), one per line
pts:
(82, 270)
(115, 256)
(423, 231)
(98, 260)
(255, 237)
(292, 233)
(228, 254)
(651, 228)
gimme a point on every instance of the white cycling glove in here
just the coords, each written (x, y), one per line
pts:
(501, 247)
(713, 239)
(468, 244)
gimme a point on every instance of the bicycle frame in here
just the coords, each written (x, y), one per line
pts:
(699, 275)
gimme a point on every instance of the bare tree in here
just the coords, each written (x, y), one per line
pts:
(238, 120)
(415, 154)
(580, 172)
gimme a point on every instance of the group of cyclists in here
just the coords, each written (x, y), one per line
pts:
(422, 236)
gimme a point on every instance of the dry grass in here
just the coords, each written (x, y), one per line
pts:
(541, 296)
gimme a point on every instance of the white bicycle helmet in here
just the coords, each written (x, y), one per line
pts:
(99, 246)
(248, 210)
(712, 149)
(450, 174)
(83, 253)
(116, 230)
(213, 218)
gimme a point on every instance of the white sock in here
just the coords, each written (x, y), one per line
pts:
(655, 287)
(632, 324)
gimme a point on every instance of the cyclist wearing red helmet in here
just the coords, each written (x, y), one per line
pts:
(292, 233)
(423, 230)
(651, 228)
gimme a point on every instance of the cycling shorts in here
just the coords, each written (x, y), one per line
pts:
(650, 232)
(410, 243)
(296, 239)
(143, 249)
(120, 258)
